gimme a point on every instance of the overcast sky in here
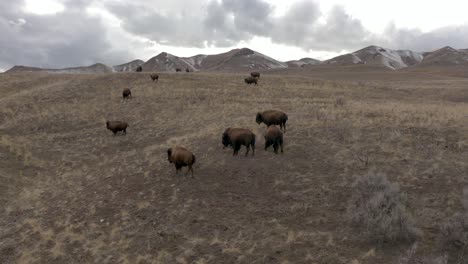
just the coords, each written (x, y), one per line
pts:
(66, 33)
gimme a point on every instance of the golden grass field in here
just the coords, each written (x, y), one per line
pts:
(71, 192)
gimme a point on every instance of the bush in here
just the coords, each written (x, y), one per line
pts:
(380, 210)
(411, 258)
(455, 228)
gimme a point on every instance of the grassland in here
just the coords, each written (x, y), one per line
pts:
(71, 192)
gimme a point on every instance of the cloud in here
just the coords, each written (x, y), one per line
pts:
(68, 38)
(75, 36)
(415, 39)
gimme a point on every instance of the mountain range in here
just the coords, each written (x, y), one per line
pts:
(246, 60)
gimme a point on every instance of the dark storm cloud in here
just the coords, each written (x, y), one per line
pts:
(68, 38)
(227, 22)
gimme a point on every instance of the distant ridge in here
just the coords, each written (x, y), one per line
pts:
(245, 59)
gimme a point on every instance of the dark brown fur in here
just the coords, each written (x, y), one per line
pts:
(274, 136)
(154, 77)
(139, 69)
(236, 137)
(181, 157)
(255, 74)
(272, 117)
(116, 126)
(187, 70)
(178, 69)
(126, 93)
(250, 80)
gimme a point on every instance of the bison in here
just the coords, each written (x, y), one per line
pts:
(154, 77)
(181, 157)
(236, 137)
(187, 70)
(178, 69)
(116, 126)
(272, 117)
(274, 136)
(139, 69)
(250, 80)
(126, 94)
(255, 74)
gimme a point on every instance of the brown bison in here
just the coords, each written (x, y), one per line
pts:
(116, 126)
(126, 94)
(272, 117)
(187, 70)
(255, 74)
(236, 137)
(178, 69)
(250, 80)
(154, 77)
(181, 157)
(274, 136)
(139, 69)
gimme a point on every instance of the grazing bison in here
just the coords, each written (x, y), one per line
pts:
(250, 80)
(272, 117)
(116, 126)
(154, 77)
(178, 69)
(255, 74)
(139, 69)
(274, 136)
(236, 137)
(187, 70)
(126, 93)
(181, 157)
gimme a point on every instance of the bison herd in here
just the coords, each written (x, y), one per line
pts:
(231, 137)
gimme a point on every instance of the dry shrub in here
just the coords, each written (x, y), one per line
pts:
(411, 258)
(455, 228)
(340, 101)
(379, 208)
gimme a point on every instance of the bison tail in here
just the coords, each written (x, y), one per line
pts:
(253, 140)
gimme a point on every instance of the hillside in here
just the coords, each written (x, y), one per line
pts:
(95, 68)
(445, 56)
(302, 62)
(237, 59)
(373, 55)
(128, 67)
(248, 60)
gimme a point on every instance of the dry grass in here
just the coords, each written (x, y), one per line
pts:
(73, 193)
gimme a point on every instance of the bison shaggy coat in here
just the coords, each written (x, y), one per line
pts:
(250, 80)
(116, 126)
(154, 77)
(274, 136)
(126, 93)
(236, 137)
(255, 74)
(181, 157)
(178, 69)
(272, 117)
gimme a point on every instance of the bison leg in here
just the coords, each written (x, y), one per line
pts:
(267, 144)
(190, 169)
(248, 149)
(125, 131)
(236, 147)
(284, 125)
(178, 167)
(275, 147)
(253, 149)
